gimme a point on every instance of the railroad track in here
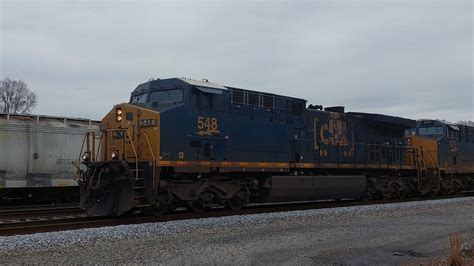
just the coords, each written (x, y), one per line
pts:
(61, 223)
(34, 211)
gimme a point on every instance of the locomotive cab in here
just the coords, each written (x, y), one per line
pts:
(447, 150)
(454, 144)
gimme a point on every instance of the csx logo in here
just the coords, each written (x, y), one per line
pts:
(118, 134)
(334, 132)
(207, 126)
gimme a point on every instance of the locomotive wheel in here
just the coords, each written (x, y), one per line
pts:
(388, 192)
(234, 204)
(203, 203)
(453, 187)
(457, 187)
(398, 192)
(445, 188)
(238, 201)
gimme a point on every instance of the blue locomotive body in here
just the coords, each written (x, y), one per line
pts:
(202, 121)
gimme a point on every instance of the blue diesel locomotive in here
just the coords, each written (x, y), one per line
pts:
(182, 142)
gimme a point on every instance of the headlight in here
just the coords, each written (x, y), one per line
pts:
(86, 156)
(119, 114)
(114, 155)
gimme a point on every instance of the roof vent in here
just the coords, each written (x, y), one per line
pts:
(335, 109)
(315, 107)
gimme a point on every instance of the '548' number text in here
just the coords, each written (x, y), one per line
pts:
(207, 125)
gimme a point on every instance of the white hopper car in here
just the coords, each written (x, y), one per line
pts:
(37, 156)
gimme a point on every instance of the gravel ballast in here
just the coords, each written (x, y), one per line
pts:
(388, 234)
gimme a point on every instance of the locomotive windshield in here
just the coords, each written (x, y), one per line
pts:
(158, 98)
(140, 98)
(166, 96)
(429, 131)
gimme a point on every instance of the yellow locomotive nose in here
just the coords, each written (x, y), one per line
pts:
(126, 164)
(131, 133)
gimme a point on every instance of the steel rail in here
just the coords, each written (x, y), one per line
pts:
(21, 212)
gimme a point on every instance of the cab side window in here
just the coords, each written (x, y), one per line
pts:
(204, 100)
(211, 102)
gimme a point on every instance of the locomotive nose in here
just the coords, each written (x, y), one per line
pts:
(130, 140)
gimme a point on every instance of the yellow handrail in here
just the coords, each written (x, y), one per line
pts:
(152, 155)
(135, 153)
(149, 146)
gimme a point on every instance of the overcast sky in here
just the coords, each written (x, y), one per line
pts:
(405, 58)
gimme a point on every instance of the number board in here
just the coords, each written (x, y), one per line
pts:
(207, 126)
(147, 123)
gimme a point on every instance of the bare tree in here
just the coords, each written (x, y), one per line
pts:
(16, 97)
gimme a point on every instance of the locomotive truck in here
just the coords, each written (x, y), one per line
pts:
(197, 144)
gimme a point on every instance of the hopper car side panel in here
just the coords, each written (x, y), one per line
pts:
(37, 155)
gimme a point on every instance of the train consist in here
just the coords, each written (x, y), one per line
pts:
(38, 152)
(197, 144)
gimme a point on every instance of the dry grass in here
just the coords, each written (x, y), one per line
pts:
(460, 253)
(468, 251)
(455, 255)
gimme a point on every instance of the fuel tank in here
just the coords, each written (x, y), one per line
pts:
(302, 188)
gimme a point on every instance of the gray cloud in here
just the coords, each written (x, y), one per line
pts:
(405, 58)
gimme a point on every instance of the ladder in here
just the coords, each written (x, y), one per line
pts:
(420, 169)
(434, 171)
(429, 178)
(139, 188)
